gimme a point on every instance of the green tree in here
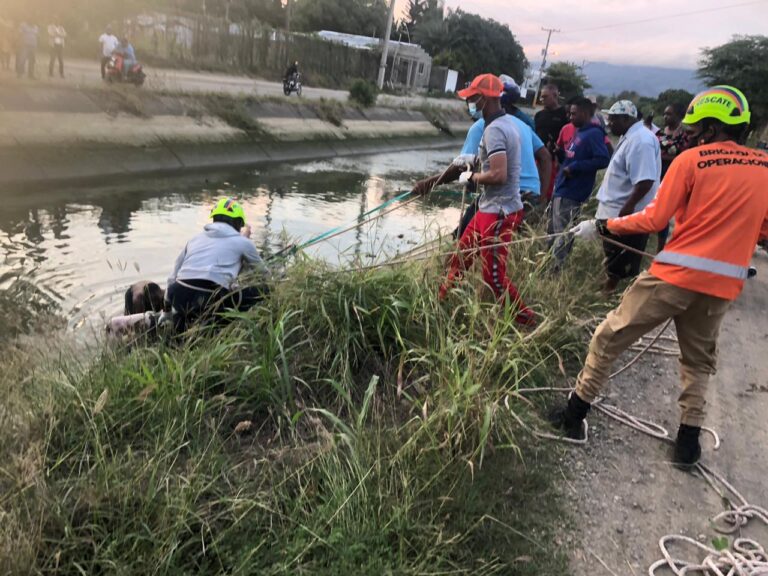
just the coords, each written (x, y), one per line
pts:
(473, 45)
(743, 63)
(364, 17)
(569, 79)
(421, 13)
(673, 96)
(626, 95)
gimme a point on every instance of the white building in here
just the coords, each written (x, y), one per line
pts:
(408, 65)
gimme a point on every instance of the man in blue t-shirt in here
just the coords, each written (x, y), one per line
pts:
(535, 160)
(586, 154)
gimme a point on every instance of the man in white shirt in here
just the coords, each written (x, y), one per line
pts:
(56, 37)
(108, 43)
(629, 185)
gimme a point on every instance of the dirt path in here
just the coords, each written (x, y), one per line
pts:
(87, 73)
(624, 492)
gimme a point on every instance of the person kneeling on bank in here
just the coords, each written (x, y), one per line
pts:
(203, 283)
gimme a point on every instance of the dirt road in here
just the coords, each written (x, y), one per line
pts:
(625, 494)
(85, 72)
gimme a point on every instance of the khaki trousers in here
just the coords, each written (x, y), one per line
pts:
(646, 304)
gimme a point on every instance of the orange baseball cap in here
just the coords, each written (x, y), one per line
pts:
(487, 85)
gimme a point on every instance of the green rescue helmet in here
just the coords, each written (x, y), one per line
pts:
(724, 103)
(228, 207)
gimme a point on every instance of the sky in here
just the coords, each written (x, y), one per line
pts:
(669, 40)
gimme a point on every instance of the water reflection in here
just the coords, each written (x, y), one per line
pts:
(81, 246)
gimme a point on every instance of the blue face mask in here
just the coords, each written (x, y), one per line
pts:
(473, 111)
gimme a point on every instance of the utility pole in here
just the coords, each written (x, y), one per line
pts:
(385, 45)
(287, 15)
(544, 53)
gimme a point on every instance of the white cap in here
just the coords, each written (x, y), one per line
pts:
(622, 107)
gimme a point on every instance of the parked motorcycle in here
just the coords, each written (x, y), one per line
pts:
(114, 71)
(292, 84)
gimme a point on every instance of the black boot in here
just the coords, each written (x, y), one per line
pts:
(570, 419)
(687, 448)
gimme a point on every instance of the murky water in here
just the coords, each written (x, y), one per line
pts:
(80, 247)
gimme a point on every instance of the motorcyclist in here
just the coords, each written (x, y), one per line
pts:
(125, 49)
(292, 72)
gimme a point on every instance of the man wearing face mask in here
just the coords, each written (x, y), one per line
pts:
(716, 190)
(500, 209)
(535, 161)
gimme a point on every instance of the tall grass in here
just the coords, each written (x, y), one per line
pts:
(352, 424)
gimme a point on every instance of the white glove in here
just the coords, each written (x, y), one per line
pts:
(164, 318)
(465, 176)
(463, 159)
(586, 230)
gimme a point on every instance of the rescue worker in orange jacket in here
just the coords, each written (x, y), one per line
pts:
(717, 192)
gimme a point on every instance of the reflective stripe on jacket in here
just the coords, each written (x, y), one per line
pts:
(718, 195)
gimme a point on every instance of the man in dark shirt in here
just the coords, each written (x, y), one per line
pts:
(549, 121)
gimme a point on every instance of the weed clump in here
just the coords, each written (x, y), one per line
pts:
(353, 424)
(331, 111)
(363, 93)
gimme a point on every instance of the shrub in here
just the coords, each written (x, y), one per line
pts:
(363, 92)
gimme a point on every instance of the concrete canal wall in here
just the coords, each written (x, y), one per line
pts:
(50, 134)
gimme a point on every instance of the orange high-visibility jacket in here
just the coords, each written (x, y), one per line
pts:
(718, 195)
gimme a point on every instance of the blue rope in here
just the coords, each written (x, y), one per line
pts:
(290, 250)
(324, 235)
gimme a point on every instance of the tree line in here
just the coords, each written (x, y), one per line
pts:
(466, 42)
(742, 62)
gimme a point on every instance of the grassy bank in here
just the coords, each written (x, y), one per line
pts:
(351, 425)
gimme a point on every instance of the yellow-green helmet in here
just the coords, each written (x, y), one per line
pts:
(724, 103)
(228, 207)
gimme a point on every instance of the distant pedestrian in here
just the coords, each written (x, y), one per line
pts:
(629, 185)
(672, 141)
(549, 122)
(27, 50)
(56, 38)
(6, 45)
(585, 155)
(108, 42)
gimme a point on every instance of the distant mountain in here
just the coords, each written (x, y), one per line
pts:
(645, 80)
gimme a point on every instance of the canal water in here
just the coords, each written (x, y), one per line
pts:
(76, 249)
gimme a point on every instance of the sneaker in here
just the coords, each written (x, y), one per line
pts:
(526, 317)
(687, 451)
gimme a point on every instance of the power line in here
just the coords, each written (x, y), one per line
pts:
(666, 17)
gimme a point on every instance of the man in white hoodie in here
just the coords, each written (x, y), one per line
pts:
(204, 276)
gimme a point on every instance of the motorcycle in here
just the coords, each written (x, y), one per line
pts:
(292, 84)
(114, 71)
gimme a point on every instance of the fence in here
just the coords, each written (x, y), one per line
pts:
(206, 42)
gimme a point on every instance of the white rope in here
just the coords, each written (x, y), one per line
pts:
(746, 557)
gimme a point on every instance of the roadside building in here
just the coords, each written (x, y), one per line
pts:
(408, 65)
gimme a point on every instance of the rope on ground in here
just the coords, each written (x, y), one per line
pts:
(746, 557)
